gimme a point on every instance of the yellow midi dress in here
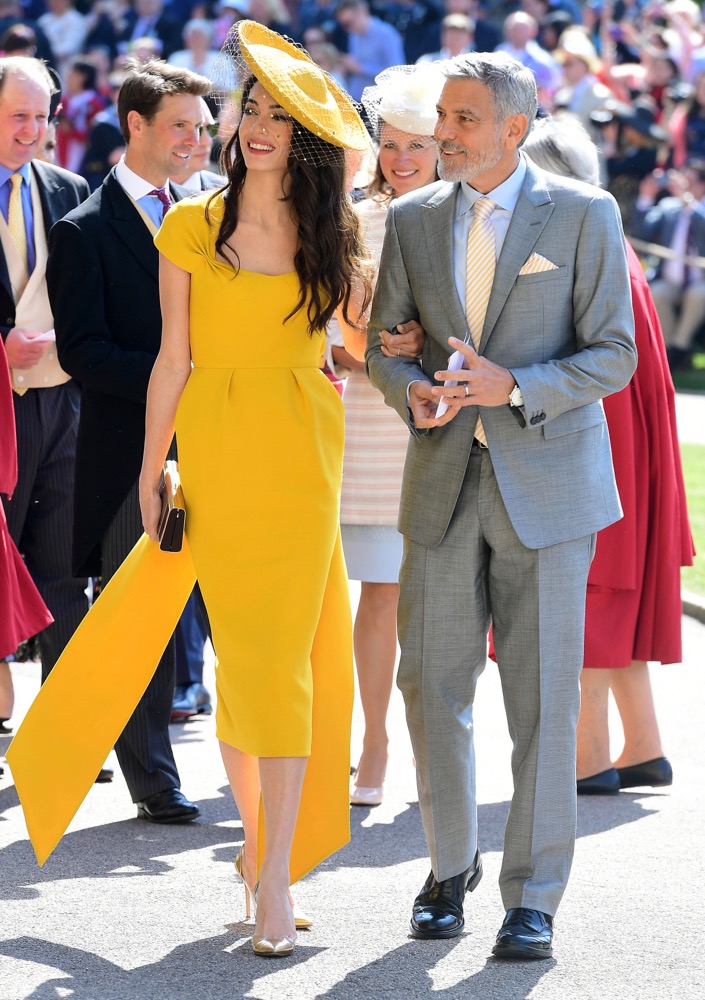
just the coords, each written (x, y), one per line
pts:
(260, 432)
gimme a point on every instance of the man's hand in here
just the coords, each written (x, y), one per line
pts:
(480, 382)
(408, 343)
(423, 404)
(23, 349)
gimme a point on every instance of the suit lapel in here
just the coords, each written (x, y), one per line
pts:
(129, 227)
(437, 215)
(533, 210)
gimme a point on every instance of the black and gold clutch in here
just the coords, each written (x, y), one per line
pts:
(172, 519)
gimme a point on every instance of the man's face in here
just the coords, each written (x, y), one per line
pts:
(169, 139)
(472, 145)
(574, 70)
(149, 8)
(24, 114)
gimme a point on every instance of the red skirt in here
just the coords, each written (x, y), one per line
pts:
(22, 611)
(633, 609)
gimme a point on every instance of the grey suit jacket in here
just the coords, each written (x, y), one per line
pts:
(567, 335)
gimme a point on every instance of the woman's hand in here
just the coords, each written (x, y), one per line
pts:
(150, 506)
(407, 343)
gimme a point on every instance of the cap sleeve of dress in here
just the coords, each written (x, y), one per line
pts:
(182, 236)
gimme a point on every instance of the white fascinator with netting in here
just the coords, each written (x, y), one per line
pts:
(405, 98)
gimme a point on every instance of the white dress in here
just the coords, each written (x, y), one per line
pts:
(375, 449)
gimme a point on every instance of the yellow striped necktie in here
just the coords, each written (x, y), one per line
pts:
(481, 263)
(15, 218)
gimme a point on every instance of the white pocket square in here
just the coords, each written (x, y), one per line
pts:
(536, 263)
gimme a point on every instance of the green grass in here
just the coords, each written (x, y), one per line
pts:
(693, 577)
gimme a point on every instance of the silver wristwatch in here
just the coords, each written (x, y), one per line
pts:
(515, 397)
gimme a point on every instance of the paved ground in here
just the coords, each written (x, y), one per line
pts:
(125, 910)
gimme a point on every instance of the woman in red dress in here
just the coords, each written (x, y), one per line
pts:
(22, 611)
(633, 609)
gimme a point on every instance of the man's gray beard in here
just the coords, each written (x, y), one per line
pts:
(466, 170)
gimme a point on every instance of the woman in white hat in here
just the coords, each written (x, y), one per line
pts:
(249, 277)
(402, 109)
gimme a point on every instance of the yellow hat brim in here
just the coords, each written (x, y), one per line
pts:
(303, 89)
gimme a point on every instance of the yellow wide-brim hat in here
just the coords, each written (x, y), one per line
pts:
(303, 89)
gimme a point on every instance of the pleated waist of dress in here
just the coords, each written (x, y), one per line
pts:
(255, 367)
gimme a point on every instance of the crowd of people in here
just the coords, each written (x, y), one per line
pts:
(632, 72)
(431, 208)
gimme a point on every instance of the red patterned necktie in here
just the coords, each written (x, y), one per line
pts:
(164, 199)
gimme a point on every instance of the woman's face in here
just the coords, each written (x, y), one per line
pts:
(407, 161)
(265, 132)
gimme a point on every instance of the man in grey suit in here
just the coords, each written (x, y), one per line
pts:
(499, 516)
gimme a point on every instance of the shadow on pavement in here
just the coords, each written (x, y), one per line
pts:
(224, 967)
(219, 968)
(495, 981)
(132, 844)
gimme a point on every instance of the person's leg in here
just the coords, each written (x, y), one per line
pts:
(281, 780)
(375, 638)
(243, 776)
(7, 692)
(691, 317)
(631, 687)
(48, 529)
(666, 297)
(443, 623)
(593, 732)
(537, 598)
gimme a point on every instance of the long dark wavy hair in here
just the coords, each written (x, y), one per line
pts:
(331, 255)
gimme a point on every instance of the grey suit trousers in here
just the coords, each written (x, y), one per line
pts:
(535, 599)
(144, 749)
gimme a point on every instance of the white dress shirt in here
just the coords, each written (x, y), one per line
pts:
(505, 197)
(139, 189)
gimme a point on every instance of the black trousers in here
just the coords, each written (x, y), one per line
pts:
(144, 750)
(40, 513)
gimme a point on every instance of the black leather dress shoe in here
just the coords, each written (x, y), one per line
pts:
(525, 934)
(438, 908)
(654, 772)
(604, 783)
(169, 806)
(105, 775)
(190, 700)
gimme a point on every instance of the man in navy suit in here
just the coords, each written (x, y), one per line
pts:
(46, 399)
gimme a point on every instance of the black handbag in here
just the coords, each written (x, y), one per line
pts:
(172, 519)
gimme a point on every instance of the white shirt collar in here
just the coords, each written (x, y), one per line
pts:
(134, 185)
(505, 195)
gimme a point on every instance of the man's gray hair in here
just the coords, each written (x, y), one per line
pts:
(562, 146)
(512, 85)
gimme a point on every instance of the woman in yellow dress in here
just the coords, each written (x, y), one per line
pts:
(249, 278)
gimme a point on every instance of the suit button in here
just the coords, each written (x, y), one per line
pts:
(542, 417)
(10, 321)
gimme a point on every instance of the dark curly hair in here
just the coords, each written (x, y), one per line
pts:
(331, 255)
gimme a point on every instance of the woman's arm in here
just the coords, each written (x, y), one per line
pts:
(169, 376)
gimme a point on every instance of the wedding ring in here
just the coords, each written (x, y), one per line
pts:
(398, 352)
(467, 390)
